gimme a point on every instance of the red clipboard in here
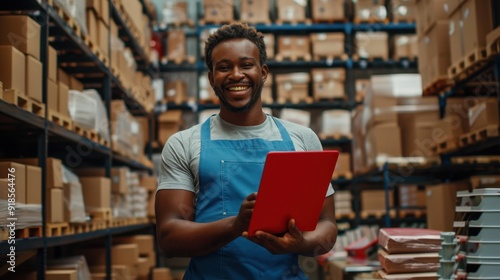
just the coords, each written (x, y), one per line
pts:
(293, 185)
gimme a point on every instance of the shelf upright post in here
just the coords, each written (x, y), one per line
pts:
(109, 159)
(349, 81)
(43, 20)
(386, 190)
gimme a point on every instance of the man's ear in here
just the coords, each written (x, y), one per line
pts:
(264, 70)
(211, 78)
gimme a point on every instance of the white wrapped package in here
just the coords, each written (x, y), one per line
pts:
(336, 122)
(297, 116)
(87, 110)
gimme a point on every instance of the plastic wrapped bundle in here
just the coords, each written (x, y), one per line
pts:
(87, 110)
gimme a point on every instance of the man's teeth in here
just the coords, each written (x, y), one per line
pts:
(237, 88)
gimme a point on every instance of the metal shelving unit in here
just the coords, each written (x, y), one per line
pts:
(35, 136)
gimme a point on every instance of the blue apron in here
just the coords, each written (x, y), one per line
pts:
(229, 171)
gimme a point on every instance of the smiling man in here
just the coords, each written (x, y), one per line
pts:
(209, 175)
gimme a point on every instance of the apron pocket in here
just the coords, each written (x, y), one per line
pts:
(239, 179)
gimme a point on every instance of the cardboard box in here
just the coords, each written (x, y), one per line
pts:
(217, 11)
(33, 78)
(441, 203)
(405, 46)
(55, 203)
(96, 192)
(63, 99)
(151, 205)
(75, 84)
(456, 34)
(328, 10)
(143, 268)
(33, 184)
(294, 86)
(290, 10)
(103, 40)
(484, 114)
(62, 76)
(328, 44)
(343, 166)
(328, 83)
(22, 32)
(254, 11)
(374, 200)
(176, 44)
(379, 145)
(161, 273)
(452, 5)
(145, 243)
(372, 45)
(52, 64)
(149, 182)
(477, 23)
(93, 26)
(20, 275)
(380, 109)
(403, 10)
(61, 275)
(336, 122)
(125, 254)
(437, 53)
(269, 41)
(370, 10)
(4, 189)
(293, 46)
(13, 70)
(52, 96)
(457, 109)
(435, 10)
(53, 170)
(104, 12)
(19, 174)
(169, 123)
(176, 91)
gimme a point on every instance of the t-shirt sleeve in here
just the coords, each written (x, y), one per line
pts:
(174, 172)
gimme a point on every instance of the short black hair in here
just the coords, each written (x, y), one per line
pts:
(235, 31)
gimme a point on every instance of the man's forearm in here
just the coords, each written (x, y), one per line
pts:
(319, 241)
(182, 238)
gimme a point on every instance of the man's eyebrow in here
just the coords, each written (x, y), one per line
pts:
(241, 58)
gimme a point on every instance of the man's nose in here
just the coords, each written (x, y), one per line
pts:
(236, 73)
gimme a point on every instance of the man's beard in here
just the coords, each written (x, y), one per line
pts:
(255, 96)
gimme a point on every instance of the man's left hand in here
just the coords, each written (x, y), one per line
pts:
(288, 243)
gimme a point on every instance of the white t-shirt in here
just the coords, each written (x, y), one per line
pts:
(181, 154)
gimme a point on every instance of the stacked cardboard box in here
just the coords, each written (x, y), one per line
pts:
(175, 13)
(370, 11)
(291, 11)
(469, 23)
(169, 122)
(343, 167)
(373, 202)
(254, 11)
(328, 45)
(328, 11)
(150, 183)
(441, 203)
(146, 253)
(405, 46)
(294, 47)
(20, 50)
(292, 87)
(328, 84)
(343, 201)
(126, 133)
(218, 11)
(206, 92)
(336, 124)
(176, 45)
(176, 92)
(98, 25)
(403, 10)
(411, 197)
(434, 46)
(269, 41)
(28, 189)
(370, 45)
(301, 117)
